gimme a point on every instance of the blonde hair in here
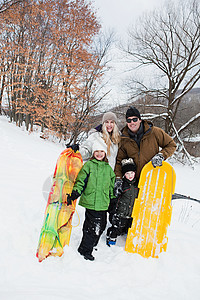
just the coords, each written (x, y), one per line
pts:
(108, 138)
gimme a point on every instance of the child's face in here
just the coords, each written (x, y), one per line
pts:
(99, 154)
(130, 175)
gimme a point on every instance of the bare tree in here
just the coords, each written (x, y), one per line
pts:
(95, 89)
(168, 40)
(6, 4)
(52, 62)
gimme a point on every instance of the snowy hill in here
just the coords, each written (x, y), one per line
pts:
(27, 164)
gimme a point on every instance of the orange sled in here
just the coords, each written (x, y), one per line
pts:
(56, 230)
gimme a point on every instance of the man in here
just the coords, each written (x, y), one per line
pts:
(143, 142)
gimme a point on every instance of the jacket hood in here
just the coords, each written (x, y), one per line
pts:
(99, 145)
(96, 129)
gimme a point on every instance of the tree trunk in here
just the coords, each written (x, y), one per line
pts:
(1, 92)
(27, 121)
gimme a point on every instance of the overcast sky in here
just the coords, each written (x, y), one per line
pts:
(120, 14)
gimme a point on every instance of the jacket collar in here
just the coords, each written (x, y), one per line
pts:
(99, 128)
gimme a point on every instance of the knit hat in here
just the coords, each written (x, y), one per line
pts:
(132, 112)
(109, 116)
(99, 145)
(128, 165)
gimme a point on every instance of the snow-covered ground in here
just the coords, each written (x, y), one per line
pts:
(27, 164)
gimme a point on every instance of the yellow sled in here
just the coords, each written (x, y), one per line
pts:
(152, 211)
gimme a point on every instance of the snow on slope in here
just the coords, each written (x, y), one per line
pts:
(27, 164)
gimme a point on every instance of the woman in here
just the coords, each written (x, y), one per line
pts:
(107, 134)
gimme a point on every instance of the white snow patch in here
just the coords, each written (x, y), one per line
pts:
(27, 162)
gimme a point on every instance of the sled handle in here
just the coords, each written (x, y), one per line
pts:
(75, 210)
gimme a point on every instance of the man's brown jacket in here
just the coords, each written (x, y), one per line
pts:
(154, 140)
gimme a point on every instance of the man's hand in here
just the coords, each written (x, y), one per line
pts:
(157, 160)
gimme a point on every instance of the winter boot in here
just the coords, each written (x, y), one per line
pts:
(111, 236)
(89, 257)
(86, 255)
(110, 241)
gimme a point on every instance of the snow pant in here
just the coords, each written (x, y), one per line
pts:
(119, 226)
(111, 209)
(93, 227)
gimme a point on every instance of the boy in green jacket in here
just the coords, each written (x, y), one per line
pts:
(95, 184)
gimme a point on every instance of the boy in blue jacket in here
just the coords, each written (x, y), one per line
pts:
(95, 184)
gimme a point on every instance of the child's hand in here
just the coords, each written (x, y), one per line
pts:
(118, 187)
(74, 147)
(74, 195)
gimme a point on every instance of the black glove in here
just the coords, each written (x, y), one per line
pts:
(74, 147)
(118, 187)
(74, 195)
(157, 160)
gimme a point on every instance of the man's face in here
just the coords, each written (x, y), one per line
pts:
(133, 123)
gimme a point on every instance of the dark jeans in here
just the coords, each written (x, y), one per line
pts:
(93, 227)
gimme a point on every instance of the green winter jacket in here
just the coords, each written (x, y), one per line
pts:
(95, 182)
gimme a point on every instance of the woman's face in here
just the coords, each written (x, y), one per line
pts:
(110, 125)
